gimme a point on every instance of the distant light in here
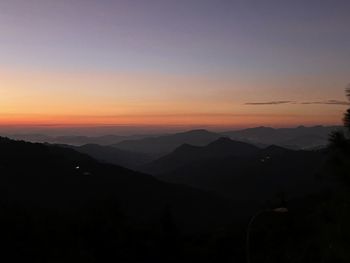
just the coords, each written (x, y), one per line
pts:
(280, 210)
(265, 159)
(77, 167)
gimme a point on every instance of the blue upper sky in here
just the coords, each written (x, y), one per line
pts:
(177, 36)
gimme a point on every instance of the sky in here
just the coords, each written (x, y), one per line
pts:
(192, 63)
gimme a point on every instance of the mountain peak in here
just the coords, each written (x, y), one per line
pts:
(185, 148)
(224, 146)
(222, 140)
(227, 142)
(197, 131)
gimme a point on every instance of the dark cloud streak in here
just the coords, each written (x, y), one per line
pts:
(326, 102)
(269, 102)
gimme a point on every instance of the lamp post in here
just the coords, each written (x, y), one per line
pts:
(276, 210)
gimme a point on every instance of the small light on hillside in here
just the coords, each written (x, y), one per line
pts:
(280, 210)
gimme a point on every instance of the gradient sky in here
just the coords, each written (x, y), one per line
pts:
(198, 63)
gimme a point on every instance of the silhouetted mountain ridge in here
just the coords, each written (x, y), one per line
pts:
(300, 137)
(77, 140)
(221, 148)
(167, 143)
(295, 138)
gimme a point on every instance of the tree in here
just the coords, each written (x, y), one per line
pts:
(346, 119)
(340, 139)
(340, 146)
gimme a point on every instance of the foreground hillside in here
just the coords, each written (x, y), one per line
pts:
(56, 202)
(58, 205)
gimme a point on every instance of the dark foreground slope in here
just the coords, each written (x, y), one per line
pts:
(58, 204)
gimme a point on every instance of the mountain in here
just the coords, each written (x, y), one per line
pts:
(82, 140)
(186, 154)
(73, 140)
(293, 138)
(247, 173)
(307, 141)
(113, 155)
(167, 143)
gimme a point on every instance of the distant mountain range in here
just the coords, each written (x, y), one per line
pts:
(167, 143)
(292, 138)
(138, 152)
(73, 140)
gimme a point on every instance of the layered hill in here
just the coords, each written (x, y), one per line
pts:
(242, 171)
(187, 154)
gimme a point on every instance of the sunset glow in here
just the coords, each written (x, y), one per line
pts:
(60, 67)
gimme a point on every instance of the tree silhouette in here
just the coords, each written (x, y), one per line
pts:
(346, 118)
(340, 146)
(339, 139)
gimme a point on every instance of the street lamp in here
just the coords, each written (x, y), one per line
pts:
(275, 210)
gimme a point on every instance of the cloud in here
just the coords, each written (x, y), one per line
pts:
(270, 102)
(326, 102)
(279, 102)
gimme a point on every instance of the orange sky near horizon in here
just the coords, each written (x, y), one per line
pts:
(100, 98)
